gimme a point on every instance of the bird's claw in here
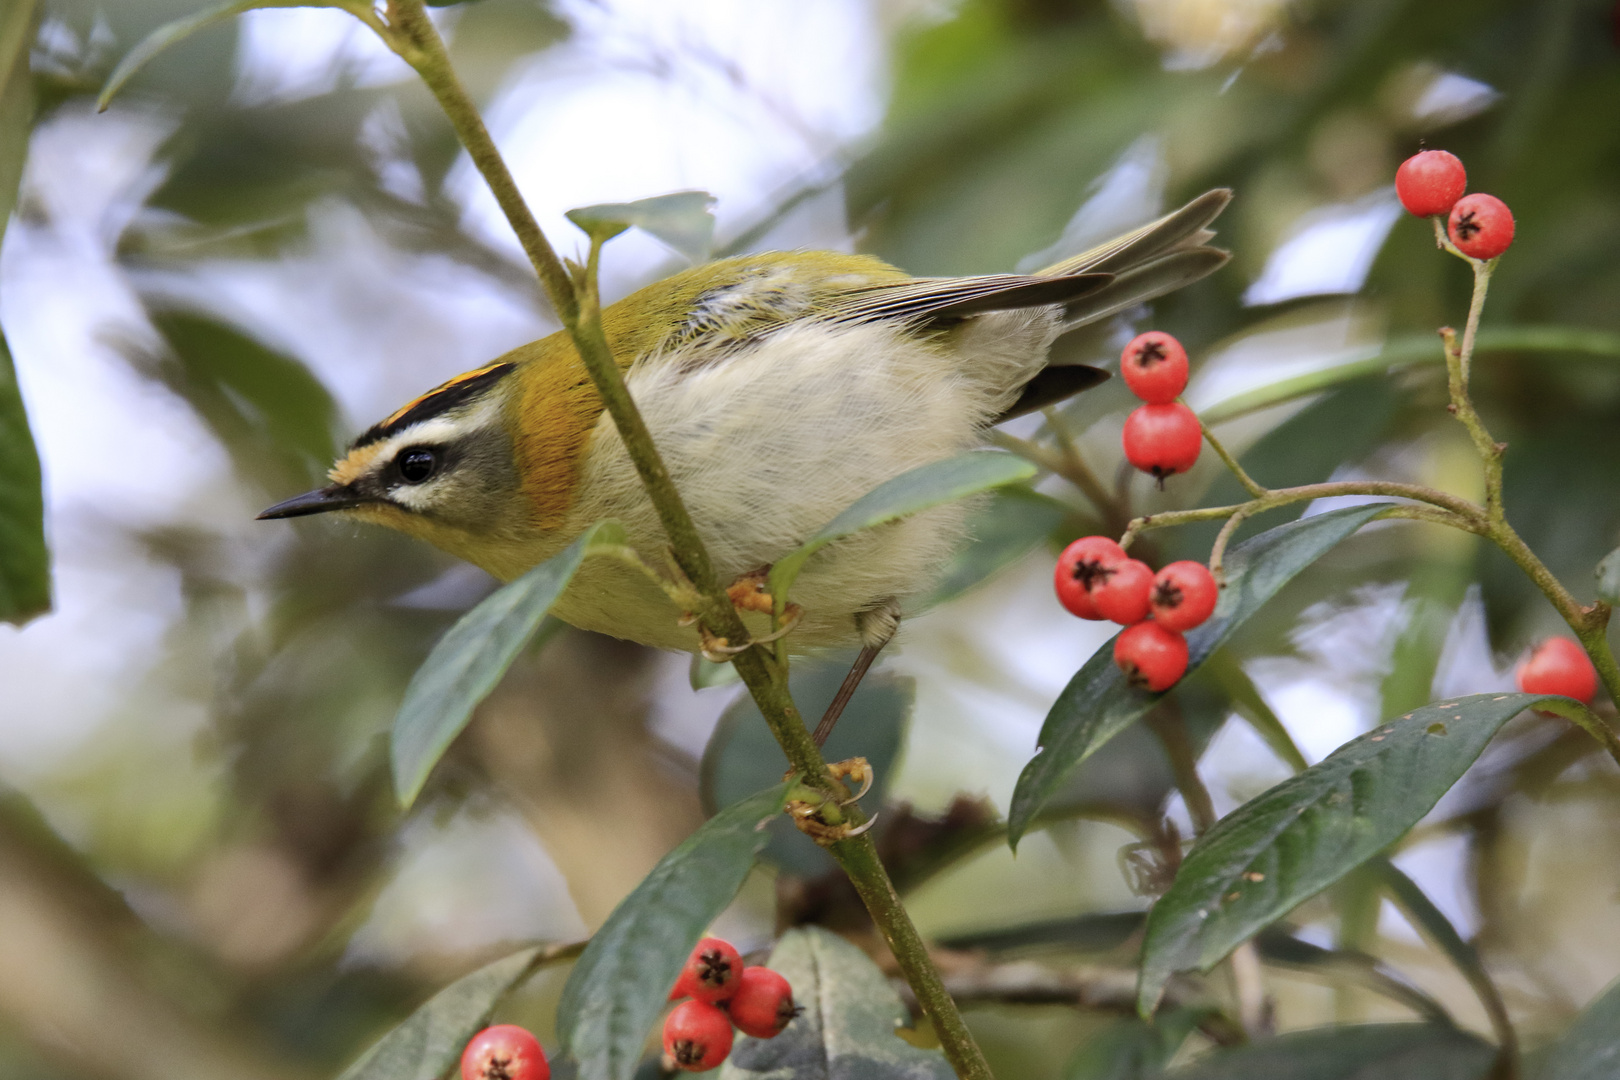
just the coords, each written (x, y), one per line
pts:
(806, 814)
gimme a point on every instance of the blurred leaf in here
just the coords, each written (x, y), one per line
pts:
(1351, 1052)
(1098, 702)
(1590, 1049)
(622, 980)
(683, 220)
(25, 572)
(704, 674)
(1132, 1048)
(180, 29)
(1293, 841)
(1086, 933)
(1281, 948)
(1011, 524)
(431, 1039)
(1246, 700)
(743, 756)
(471, 658)
(913, 490)
(1608, 578)
(847, 1029)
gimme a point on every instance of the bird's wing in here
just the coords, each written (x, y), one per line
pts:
(1159, 257)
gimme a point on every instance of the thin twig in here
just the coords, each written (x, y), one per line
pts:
(1250, 485)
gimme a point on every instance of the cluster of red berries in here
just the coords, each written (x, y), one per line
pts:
(1095, 579)
(1559, 666)
(724, 994)
(1162, 437)
(1432, 183)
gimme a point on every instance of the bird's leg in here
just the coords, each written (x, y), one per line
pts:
(747, 593)
(877, 628)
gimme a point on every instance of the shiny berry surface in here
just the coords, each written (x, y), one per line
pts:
(763, 1004)
(1151, 657)
(1163, 439)
(1481, 226)
(1123, 595)
(1083, 563)
(1184, 595)
(1430, 183)
(711, 972)
(1559, 666)
(697, 1036)
(1155, 367)
(504, 1052)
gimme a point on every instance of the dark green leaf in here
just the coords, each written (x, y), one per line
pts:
(1608, 578)
(1418, 908)
(180, 29)
(1132, 1049)
(1098, 703)
(1011, 524)
(1280, 948)
(1295, 840)
(1083, 933)
(847, 1028)
(25, 577)
(431, 1039)
(622, 981)
(743, 755)
(1351, 1052)
(1590, 1049)
(683, 220)
(916, 489)
(471, 658)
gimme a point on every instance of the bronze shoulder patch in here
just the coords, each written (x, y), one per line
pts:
(442, 398)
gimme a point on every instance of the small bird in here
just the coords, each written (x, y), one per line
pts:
(779, 388)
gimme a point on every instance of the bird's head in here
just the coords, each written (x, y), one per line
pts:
(441, 468)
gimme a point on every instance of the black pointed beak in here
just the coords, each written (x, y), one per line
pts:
(335, 497)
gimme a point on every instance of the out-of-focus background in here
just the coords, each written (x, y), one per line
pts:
(270, 240)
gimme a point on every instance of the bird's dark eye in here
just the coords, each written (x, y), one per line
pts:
(417, 464)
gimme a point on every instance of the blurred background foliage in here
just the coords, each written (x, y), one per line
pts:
(271, 239)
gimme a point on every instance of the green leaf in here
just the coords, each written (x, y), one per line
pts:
(472, 656)
(1098, 703)
(1132, 1048)
(847, 1029)
(1280, 948)
(1608, 578)
(1011, 524)
(432, 1038)
(683, 220)
(1296, 839)
(706, 673)
(743, 756)
(25, 573)
(1590, 1049)
(1351, 1052)
(180, 29)
(622, 981)
(913, 490)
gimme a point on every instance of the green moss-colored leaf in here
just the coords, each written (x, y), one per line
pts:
(1287, 845)
(1098, 703)
(622, 980)
(471, 658)
(914, 490)
(1351, 1052)
(431, 1039)
(684, 220)
(1132, 1049)
(846, 1031)
(1590, 1049)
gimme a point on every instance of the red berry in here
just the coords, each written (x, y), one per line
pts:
(711, 972)
(1155, 367)
(1151, 656)
(697, 1036)
(1559, 666)
(504, 1052)
(1080, 565)
(763, 1004)
(1183, 595)
(1120, 594)
(1431, 182)
(1163, 439)
(1481, 226)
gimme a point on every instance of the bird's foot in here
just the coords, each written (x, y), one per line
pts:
(808, 815)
